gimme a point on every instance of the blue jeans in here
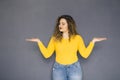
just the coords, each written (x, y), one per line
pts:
(67, 72)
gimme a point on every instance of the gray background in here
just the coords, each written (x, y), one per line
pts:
(21, 19)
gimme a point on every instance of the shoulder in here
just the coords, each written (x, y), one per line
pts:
(78, 36)
(53, 39)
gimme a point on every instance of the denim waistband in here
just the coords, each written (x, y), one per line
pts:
(77, 62)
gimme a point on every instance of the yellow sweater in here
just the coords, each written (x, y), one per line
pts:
(66, 51)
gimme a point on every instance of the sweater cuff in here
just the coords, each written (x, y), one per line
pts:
(92, 43)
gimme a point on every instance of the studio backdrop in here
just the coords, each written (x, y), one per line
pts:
(21, 19)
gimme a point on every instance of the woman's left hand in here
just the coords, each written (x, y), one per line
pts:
(99, 39)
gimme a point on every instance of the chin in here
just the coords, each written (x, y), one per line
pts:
(60, 30)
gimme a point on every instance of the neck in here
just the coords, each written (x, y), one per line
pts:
(65, 35)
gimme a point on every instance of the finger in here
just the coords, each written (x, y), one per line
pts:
(29, 40)
(103, 38)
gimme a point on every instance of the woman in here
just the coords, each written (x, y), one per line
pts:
(66, 42)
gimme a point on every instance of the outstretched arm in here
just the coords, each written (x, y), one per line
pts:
(47, 52)
(85, 51)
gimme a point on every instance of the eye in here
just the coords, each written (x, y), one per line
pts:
(63, 23)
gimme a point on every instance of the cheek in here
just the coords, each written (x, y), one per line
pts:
(66, 27)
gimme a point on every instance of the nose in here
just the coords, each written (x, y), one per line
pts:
(60, 25)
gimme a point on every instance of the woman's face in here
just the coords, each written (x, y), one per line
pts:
(63, 25)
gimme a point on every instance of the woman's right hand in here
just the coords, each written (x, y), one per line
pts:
(33, 40)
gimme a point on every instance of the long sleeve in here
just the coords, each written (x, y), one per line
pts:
(83, 50)
(47, 51)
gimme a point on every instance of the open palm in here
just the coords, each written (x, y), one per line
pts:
(99, 39)
(33, 40)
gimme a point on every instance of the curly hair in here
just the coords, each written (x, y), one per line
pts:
(71, 27)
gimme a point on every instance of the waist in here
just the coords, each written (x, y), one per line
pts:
(67, 65)
(66, 62)
(66, 59)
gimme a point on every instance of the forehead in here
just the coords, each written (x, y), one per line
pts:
(63, 20)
